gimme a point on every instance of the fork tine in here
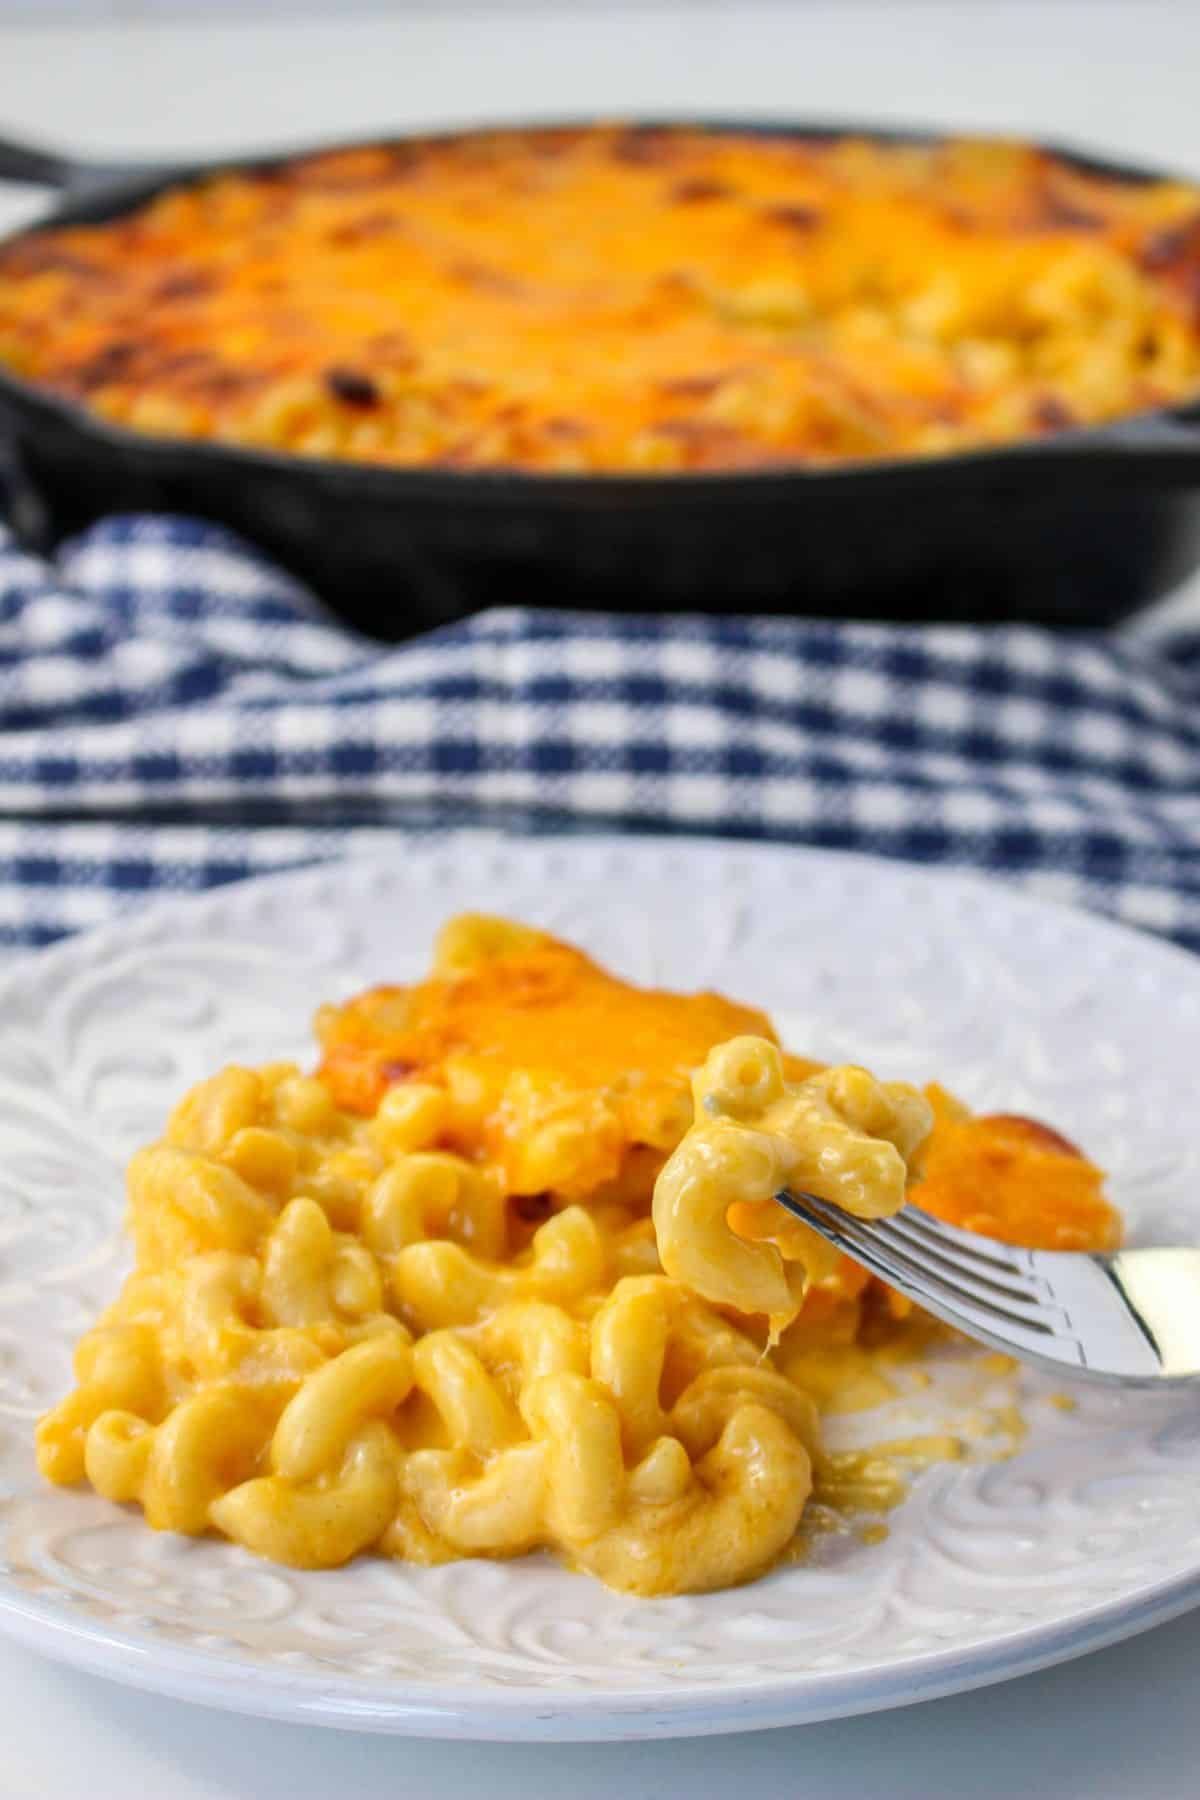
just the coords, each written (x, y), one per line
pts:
(870, 1243)
(1000, 1257)
(1011, 1285)
(1034, 1341)
(1030, 1307)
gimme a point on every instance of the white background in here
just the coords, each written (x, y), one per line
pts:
(163, 76)
(1121, 73)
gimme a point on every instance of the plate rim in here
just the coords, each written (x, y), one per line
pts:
(527, 1711)
(18, 962)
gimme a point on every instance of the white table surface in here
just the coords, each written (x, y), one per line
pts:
(1120, 1725)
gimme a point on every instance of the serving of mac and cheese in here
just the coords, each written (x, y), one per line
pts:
(505, 1273)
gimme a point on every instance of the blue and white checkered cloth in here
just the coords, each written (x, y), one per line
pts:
(175, 713)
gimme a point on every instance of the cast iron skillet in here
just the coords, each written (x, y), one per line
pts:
(1078, 529)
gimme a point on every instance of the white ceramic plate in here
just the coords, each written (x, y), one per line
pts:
(989, 1569)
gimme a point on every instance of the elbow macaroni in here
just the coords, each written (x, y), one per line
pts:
(349, 1329)
(840, 1134)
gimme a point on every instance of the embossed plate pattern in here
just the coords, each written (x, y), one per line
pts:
(990, 1568)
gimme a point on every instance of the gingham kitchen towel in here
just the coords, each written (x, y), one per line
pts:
(174, 713)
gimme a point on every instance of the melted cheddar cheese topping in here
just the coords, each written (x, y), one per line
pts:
(551, 1066)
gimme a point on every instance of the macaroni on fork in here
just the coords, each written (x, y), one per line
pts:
(505, 1274)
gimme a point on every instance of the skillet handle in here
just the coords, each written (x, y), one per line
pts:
(35, 166)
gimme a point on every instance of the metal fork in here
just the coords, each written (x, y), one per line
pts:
(1130, 1317)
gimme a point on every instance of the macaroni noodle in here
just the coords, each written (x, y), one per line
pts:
(840, 1134)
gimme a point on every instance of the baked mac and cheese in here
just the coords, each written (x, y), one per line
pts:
(621, 299)
(505, 1274)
